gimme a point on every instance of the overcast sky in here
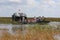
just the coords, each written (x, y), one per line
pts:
(47, 8)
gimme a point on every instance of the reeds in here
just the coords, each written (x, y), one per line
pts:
(38, 32)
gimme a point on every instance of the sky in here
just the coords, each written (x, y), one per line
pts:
(47, 8)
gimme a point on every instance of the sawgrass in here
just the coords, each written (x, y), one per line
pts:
(38, 32)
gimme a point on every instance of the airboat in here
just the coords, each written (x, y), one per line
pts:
(22, 18)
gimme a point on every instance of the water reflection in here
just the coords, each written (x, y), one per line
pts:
(57, 37)
(54, 24)
(13, 28)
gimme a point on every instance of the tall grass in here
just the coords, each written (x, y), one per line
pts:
(38, 32)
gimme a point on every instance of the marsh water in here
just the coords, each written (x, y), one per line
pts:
(10, 28)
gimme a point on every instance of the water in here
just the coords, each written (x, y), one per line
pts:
(54, 24)
(10, 26)
(57, 37)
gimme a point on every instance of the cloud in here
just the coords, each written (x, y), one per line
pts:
(42, 5)
(12, 2)
(49, 2)
(30, 7)
(32, 3)
(18, 1)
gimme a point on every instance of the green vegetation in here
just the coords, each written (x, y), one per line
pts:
(5, 20)
(53, 19)
(9, 20)
(3, 29)
(38, 32)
